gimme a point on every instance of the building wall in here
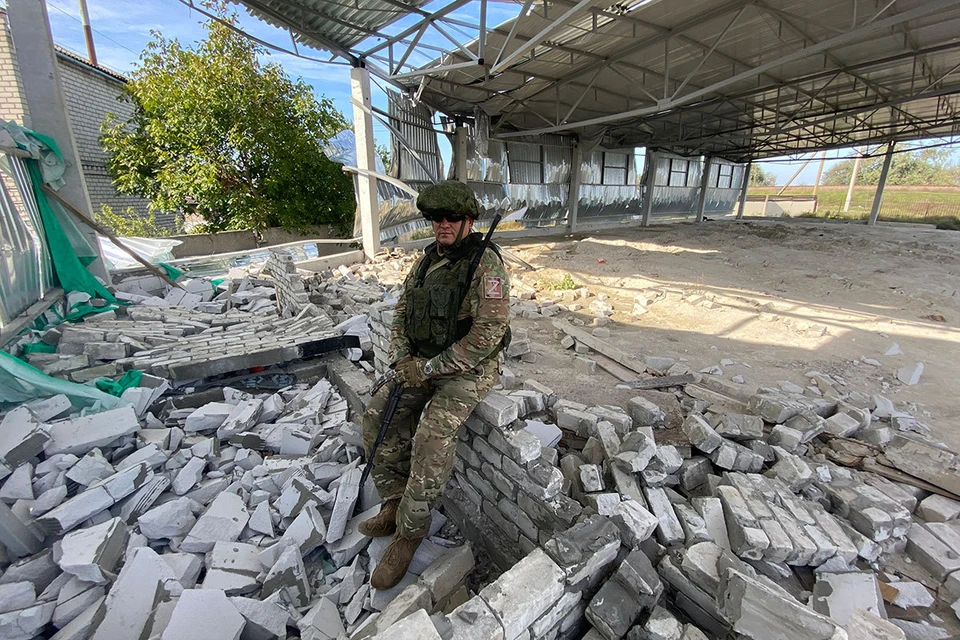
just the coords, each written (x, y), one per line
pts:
(90, 94)
(12, 103)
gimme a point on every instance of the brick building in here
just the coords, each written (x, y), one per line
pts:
(90, 92)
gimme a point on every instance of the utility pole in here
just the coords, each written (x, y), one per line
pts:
(853, 181)
(88, 32)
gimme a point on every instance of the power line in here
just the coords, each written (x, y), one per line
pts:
(96, 31)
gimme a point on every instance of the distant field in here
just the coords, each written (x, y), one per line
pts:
(931, 205)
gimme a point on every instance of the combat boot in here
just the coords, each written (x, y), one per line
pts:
(395, 561)
(382, 524)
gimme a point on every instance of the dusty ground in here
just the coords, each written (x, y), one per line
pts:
(788, 298)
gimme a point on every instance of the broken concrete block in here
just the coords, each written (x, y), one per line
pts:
(838, 595)
(223, 521)
(17, 595)
(204, 613)
(322, 620)
(443, 575)
(140, 502)
(92, 554)
(288, 576)
(24, 434)
(644, 413)
(266, 620)
(261, 520)
(669, 530)
(233, 567)
(585, 551)
(937, 508)
(26, 623)
(910, 375)
(701, 434)
(842, 424)
(347, 493)
(591, 477)
(473, 620)
(189, 475)
(912, 594)
(97, 430)
(867, 626)
(636, 524)
(209, 417)
(755, 609)
(186, 567)
(144, 580)
(90, 468)
(74, 598)
(525, 592)
(95, 499)
(663, 625)
(19, 486)
(613, 610)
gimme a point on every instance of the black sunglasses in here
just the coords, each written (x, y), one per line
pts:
(449, 217)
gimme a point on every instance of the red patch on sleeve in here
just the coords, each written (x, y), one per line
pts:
(493, 288)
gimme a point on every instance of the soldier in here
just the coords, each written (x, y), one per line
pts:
(446, 336)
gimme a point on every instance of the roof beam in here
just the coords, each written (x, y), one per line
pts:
(814, 49)
(542, 35)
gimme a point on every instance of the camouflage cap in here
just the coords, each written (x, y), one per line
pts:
(449, 196)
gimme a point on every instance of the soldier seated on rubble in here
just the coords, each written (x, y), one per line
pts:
(446, 337)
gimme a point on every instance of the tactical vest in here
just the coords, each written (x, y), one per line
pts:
(433, 305)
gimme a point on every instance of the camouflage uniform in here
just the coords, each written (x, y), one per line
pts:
(415, 460)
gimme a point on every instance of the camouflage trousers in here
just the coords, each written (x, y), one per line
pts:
(415, 459)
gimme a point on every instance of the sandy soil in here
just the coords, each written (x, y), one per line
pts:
(780, 299)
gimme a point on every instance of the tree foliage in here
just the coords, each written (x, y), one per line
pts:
(927, 167)
(761, 178)
(217, 132)
(133, 224)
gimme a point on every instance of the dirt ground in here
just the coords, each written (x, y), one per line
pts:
(780, 299)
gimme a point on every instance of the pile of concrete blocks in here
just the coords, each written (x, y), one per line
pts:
(291, 292)
(235, 518)
(175, 343)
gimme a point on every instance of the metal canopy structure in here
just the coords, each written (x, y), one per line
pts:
(739, 79)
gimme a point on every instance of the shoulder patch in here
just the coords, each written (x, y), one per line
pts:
(493, 288)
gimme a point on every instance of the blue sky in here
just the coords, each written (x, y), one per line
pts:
(122, 28)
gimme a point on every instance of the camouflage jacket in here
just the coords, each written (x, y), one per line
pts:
(487, 303)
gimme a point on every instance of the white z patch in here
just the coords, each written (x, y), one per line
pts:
(493, 288)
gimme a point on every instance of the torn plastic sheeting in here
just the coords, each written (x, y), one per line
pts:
(21, 382)
(116, 388)
(152, 250)
(68, 248)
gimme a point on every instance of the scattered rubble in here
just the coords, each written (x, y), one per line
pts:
(203, 509)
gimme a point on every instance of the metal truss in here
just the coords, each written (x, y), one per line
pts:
(693, 86)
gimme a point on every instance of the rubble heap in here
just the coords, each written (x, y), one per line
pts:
(699, 511)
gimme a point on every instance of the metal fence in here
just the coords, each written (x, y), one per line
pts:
(918, 209)
(26, 271)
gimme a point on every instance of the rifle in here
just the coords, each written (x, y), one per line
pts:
(397, 390)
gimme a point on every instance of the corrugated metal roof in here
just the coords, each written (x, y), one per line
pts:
(331, 25)
(740, 79)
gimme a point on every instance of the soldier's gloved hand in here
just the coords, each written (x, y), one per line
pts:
(411, 372)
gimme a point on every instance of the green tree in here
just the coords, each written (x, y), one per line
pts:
(217, 132)
(926, 167)
(761, 178)
(132, 223)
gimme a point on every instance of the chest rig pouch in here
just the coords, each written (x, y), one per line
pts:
(433, 303)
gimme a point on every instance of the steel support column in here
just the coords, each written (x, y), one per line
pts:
(878, 197)
(650, 169)
(368, 206)
(743, 190)
(460, 153)
(853, 181)
(704, 185)
(573, 198)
